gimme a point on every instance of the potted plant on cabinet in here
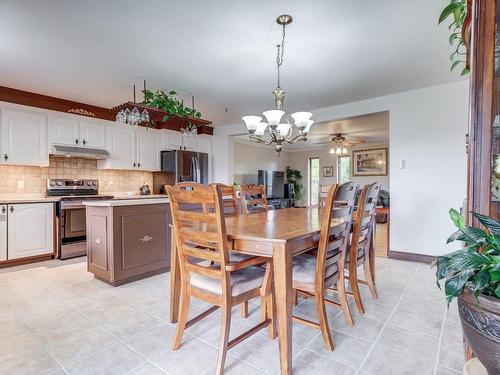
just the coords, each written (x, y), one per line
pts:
(472, 275)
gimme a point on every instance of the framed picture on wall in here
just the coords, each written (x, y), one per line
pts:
(328, 171)
(369, 162)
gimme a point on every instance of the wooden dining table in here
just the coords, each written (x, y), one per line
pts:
(277, 234)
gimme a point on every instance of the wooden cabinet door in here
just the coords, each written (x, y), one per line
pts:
(23, 138)
(63, 130)
(148, 149)
(122, 147)
(30, 230)
(92, 134)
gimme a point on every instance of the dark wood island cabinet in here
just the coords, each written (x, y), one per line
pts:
(128, 240)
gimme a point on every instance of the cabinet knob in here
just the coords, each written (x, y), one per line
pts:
(76, 141)
(138, 165)
(84, 142)
(5, 157)
(3, 209)
(11, 209)
(134, 164)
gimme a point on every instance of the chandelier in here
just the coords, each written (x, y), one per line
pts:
(275, 130)
(338, 146)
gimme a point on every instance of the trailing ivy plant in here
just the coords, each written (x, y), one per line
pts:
(457, 11)
(169, 102)
(294, 177)
(477, 265)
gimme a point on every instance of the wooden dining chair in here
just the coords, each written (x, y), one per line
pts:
(323, 193)
(230, 208)
(207, 270)
(313, 275)
(361, 249)
(253, 198)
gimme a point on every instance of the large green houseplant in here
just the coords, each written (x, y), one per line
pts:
(294, 178)
(472, 275)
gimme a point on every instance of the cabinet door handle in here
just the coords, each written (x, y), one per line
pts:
(138, 165)
(6, 157)
(84, 142)
(76, 140)
(134, 164)
(3, 209)
(11, 209)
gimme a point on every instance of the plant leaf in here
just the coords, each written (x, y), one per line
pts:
(454, 65)
(454, 285)
(447, 12)
(492, 224)
(457, 218)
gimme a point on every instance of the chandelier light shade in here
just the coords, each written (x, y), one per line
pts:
(278, 130)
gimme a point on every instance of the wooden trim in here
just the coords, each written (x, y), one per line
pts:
(31, 99)
(412, 257)
(28, 260)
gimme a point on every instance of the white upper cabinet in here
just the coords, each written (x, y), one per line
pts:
(122, 148)
(70, 130)
(204, 143)
(148, 149)
(30, 230)
(63, 130)
(23, 137)
(172, 140)
(92, 134)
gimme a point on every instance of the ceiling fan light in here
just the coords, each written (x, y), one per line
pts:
(338, 151)
(273, 117)
(252, 122)
(332, 150)
(344, 150)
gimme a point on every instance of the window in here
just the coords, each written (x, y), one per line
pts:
(313, 181)
(343, 169)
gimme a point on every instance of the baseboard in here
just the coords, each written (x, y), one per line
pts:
(401, 255)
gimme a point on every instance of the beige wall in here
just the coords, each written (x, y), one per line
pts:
(35, 178)
(248, 159)
(300, 159)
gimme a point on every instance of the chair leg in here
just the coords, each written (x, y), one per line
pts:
(323, 322)
(344, 301)
(369, 277)
(183, 316)
(271, 314)
(353, 279)
(224, 339)
(244, 310)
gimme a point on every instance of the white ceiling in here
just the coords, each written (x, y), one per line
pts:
(365, 129)
(223, 51)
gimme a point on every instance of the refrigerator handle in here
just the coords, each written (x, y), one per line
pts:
(193, 169)
(198, 174)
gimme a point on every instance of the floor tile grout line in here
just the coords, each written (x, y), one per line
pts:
(386, 323)
(440, 341)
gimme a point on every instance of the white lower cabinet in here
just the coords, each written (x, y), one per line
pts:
(3, 232)
(30, 230)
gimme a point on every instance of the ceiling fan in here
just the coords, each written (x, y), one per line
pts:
(340, 143)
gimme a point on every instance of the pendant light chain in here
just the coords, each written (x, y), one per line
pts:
(280, 54)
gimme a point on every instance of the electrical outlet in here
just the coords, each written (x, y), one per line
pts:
(20, 184)
(402, 164)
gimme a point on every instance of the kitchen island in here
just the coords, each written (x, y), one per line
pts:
(127, 239)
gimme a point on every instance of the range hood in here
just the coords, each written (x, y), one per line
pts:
(80, 152)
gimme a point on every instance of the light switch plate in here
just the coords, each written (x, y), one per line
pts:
(20, 184)
(402, 164)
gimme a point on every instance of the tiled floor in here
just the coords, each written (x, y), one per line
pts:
(56, 319)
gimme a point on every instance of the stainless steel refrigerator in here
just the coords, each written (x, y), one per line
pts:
(184, 166)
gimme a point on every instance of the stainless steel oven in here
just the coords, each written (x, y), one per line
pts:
(71, 213)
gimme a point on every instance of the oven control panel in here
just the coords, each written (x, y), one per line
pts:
(65, 186)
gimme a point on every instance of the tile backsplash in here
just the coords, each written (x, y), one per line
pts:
(32, 181)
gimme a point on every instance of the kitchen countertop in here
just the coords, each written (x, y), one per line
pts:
(17, 199)
(127, 202)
